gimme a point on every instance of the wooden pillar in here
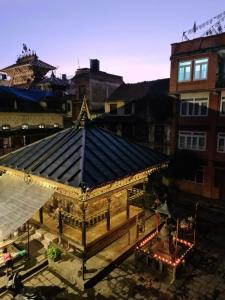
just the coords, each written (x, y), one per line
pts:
(83, 267)
(128, 237)
(83, 211)
(137, 228)
(128, 205)
(108, 225)
(144, 190)
(41, 215)
(144, 202)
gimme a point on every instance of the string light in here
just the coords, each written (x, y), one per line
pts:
(147, 239)
(171, 262)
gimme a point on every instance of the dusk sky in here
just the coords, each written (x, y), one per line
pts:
(130, 38)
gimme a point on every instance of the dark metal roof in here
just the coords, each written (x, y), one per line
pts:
(89, 156)
(86, 73)
(136, 91)
(53, 80)
(29, 95)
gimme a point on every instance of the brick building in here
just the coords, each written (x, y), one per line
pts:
(198, 80)
(142, 112)
(96, 85)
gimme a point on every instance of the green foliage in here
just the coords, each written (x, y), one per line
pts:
(53, 252)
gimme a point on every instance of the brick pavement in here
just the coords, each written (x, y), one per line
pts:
(202, 279)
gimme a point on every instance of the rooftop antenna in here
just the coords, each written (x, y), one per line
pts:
(78, 64)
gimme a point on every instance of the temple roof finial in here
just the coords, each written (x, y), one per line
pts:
(84, 115)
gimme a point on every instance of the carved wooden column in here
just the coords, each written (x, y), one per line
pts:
(144, 201)
(128, 204)
(108, 214)
(41, 215)
(83, 214)
(59, 222)
(144, 190)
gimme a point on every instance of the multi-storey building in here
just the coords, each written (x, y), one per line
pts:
(142, 112)
(96, 85)
(198, 80)
(27, 116)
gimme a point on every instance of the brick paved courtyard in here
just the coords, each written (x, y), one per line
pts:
(203, 279)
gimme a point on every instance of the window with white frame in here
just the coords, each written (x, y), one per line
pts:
(197, 177)
(221, 142)
(184, 71)
(222, 107)
(194, 107)
(192, 140)
(200, 69)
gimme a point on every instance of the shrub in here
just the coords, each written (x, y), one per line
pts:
(53, 253)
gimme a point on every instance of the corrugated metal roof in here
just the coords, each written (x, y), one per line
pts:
(88, 155)
(25, 94)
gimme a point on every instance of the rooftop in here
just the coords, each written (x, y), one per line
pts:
(136, 91)
(199, 44)
(25, 94)
(29, 59)
(84, 155)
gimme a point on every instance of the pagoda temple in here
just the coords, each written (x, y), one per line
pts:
(28, 69)
(79, 185)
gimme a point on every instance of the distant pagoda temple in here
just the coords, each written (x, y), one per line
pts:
(28, 69)
(79, 185)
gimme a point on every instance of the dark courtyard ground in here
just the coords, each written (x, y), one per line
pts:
(202, 279)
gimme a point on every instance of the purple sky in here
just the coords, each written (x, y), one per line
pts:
(130, 37)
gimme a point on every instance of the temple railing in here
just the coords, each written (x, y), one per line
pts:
(108, 238)
(90, 221)
(135, 194)
(96, 218)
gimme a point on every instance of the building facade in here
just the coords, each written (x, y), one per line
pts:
(27, 116)
(198, 81)
(142, 112)
(96, 85)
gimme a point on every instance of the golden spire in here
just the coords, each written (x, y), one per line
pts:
(84, 115)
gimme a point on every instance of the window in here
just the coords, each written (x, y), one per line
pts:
(82, 91)
(198, 177)
(69, 106)
(194, 107)
(6, 127)
(159, 134)
(113, 109)
(221, 142)
(128, 109)
(201, 69)
(184, 72)
(7, 142)
(192, 140)
(222, 107)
